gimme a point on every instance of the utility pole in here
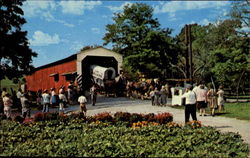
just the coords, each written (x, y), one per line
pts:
(188, 42)
(186, 50)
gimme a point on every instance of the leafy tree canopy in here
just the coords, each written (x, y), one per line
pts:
(146, 47)
(15, 54)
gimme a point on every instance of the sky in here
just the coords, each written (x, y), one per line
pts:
(58, 29)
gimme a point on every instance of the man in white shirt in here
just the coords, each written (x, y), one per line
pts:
(46, 100)
(190, 104)
(82, 100)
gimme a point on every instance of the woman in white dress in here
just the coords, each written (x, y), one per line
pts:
(220, 100)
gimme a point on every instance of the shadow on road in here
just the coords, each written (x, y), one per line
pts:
(223, 126)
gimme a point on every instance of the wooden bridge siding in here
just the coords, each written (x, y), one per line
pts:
(40, 79)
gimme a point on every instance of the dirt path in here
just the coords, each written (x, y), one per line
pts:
(138, 106)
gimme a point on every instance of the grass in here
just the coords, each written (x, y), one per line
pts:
(234, 110)
(237, 110)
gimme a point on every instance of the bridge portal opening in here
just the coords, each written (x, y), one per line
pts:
(96, 60)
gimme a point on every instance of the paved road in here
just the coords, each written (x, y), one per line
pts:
(144, 106)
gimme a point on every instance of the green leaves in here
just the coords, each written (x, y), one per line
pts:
(15, 54)
(138, 36)
(80, 139)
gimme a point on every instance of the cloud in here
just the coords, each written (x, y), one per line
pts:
(49, 17)
(119, 8)
(204, 22)
(43, 10)
(172, 16)
(35, 8)
(95, 30)
(76, 46)
(78, 7)
(175, 6)
(44, 39)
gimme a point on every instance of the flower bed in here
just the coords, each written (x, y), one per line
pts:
(77, 137)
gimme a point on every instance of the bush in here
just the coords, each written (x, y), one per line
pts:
(3, 117)
(135, 118)
(163, 118)
(45, 116)
(122, 116)
(76, 116)
(104, 117)
(18, 119)
(149, 117)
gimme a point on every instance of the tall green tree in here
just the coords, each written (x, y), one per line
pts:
(15, 54)
(146, 47)
(241, 11)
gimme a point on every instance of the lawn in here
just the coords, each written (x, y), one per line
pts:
(234, 110)
(237, 110)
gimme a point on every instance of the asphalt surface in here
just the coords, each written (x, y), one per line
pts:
(123, 104)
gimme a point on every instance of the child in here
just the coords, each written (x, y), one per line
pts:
(82, 100)
(7, 102)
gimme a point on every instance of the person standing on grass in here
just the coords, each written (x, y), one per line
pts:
(190, 104)
(82, 100)
(46, 100)
(221, 100)
(25, 105)
(201, 95)
(211, 99)
(7, 103)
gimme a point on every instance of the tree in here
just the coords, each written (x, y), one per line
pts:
(15, 54)
(230, 55)
(241, 11)
(200, 52)
(146, 47)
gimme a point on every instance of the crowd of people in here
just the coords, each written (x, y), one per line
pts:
(199, 98)
(24, 99)
(155, 90)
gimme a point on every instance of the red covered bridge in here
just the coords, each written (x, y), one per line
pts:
(74, 68)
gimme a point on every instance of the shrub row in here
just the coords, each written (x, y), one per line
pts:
(117, 118)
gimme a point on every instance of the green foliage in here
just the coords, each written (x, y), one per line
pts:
(241, 12)
(219, 51)
(138, 36)
(15, 54)
(76, 138)
(237, 110)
